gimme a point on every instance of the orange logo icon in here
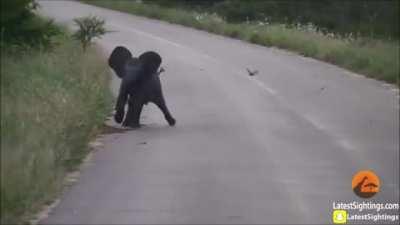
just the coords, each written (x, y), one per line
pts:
(365, 184)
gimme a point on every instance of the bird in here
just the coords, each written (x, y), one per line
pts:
(251, 73)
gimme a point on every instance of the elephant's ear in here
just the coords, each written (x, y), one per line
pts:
(118, 58)
(151, 61)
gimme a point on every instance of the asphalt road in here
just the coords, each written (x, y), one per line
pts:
(278, 147)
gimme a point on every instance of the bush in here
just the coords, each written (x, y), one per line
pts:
(89, 27)
(20, 26)
(13, 11)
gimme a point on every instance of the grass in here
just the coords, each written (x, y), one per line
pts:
(378, 59)
(52, 104)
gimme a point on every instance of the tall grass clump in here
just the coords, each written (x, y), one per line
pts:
(90, 27)
(376, 58)
(52, 103)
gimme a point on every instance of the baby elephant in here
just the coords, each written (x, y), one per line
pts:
(140, 85)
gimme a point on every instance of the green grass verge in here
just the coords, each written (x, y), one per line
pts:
(52, 104)
(378, 59)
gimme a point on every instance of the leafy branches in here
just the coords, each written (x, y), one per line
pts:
(89, 27)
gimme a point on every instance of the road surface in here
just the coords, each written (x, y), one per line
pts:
(278, 147)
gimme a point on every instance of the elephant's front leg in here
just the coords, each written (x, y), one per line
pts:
(132, 118)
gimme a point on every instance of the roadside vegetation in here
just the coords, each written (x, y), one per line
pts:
(90, 27)
(367, 44)
(54, 99)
